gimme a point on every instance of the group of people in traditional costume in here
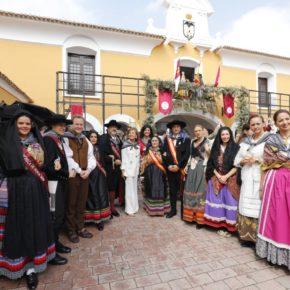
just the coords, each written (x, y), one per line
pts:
(49, 182)
(66, 179)
(243, 188)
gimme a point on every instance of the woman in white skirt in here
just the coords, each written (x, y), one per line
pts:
(130, 170)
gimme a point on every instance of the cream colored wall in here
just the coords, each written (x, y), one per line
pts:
(33, 68)
(160, 65)
(237, 77)
(6, 97)
(283, 84)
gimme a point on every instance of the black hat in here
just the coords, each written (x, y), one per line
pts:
(176, 122)
(113, 123)
(57, 118)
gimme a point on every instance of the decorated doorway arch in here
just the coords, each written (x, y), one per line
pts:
(207, 120)
(193, 97)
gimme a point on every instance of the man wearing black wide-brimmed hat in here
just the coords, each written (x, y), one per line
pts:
(57, 173)
(110, 147)
(175, 157)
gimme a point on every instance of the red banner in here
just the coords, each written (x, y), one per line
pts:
(177, 75)
(229, 106)
(165, 102)
(77, 109)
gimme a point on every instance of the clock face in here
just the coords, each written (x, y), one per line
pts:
(164, 105)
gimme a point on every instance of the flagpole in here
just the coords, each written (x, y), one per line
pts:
(177, 75)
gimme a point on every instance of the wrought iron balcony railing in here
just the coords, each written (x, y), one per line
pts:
(97, 93)
(125, 95)
(267, 103)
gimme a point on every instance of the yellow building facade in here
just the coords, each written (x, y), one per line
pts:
(61, 63)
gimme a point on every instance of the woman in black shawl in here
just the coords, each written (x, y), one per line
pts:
(223, 191)
(27, 241)
(97, 208)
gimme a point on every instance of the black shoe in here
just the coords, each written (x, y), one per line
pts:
(198, 226)
(171, 214)
(100, 226)
(31, 281)
(60, 248)
(115, 213)
(58, 260)
(247, 244)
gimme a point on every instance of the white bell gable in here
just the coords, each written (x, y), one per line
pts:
(180, 14)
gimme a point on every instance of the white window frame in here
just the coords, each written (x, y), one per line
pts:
(185, 61)
(267, 71)
(82, 45)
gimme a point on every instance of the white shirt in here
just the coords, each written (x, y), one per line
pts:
(72, 165)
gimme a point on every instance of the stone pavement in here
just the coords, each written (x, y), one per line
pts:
(155, 253)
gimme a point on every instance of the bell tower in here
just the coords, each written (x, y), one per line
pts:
(186, 20)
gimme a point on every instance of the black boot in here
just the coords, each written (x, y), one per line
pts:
(31, 281)
(171, 214)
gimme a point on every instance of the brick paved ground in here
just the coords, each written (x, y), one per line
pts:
(148, 253)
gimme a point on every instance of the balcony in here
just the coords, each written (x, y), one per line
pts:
(104, 95)
(99, 94)
(267, 103)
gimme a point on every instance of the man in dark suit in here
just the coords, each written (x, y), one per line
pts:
(57, 173)
(176, 153)
(110, 147)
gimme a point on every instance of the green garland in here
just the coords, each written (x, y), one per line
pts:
(192, 96)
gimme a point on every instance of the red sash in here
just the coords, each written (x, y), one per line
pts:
(142, 147)
(172, 150)
(58, 143)
(31, 164)
(116, 151)
(101, 168)
(157, 161)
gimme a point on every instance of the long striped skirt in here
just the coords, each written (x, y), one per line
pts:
(194, 195)
(156, 207)
(156, 200)
(220, 209)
